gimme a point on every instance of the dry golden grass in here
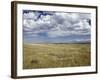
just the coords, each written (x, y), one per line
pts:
(56, 55)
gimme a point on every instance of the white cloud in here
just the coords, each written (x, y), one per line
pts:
(29, 23)
(46, 18)
(30, 15)
(57, 24)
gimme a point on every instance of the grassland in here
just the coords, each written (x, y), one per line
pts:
(56, 55)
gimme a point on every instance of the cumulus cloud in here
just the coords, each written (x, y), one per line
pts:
(56, 24)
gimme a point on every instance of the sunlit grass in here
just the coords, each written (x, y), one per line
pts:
(56, 55)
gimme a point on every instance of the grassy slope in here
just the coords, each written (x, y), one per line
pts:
(56, 55)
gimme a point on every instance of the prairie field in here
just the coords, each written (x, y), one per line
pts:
(56, 55)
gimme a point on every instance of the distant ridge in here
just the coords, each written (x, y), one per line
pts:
(58, 43)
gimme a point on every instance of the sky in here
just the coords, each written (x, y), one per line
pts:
(56, 27)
